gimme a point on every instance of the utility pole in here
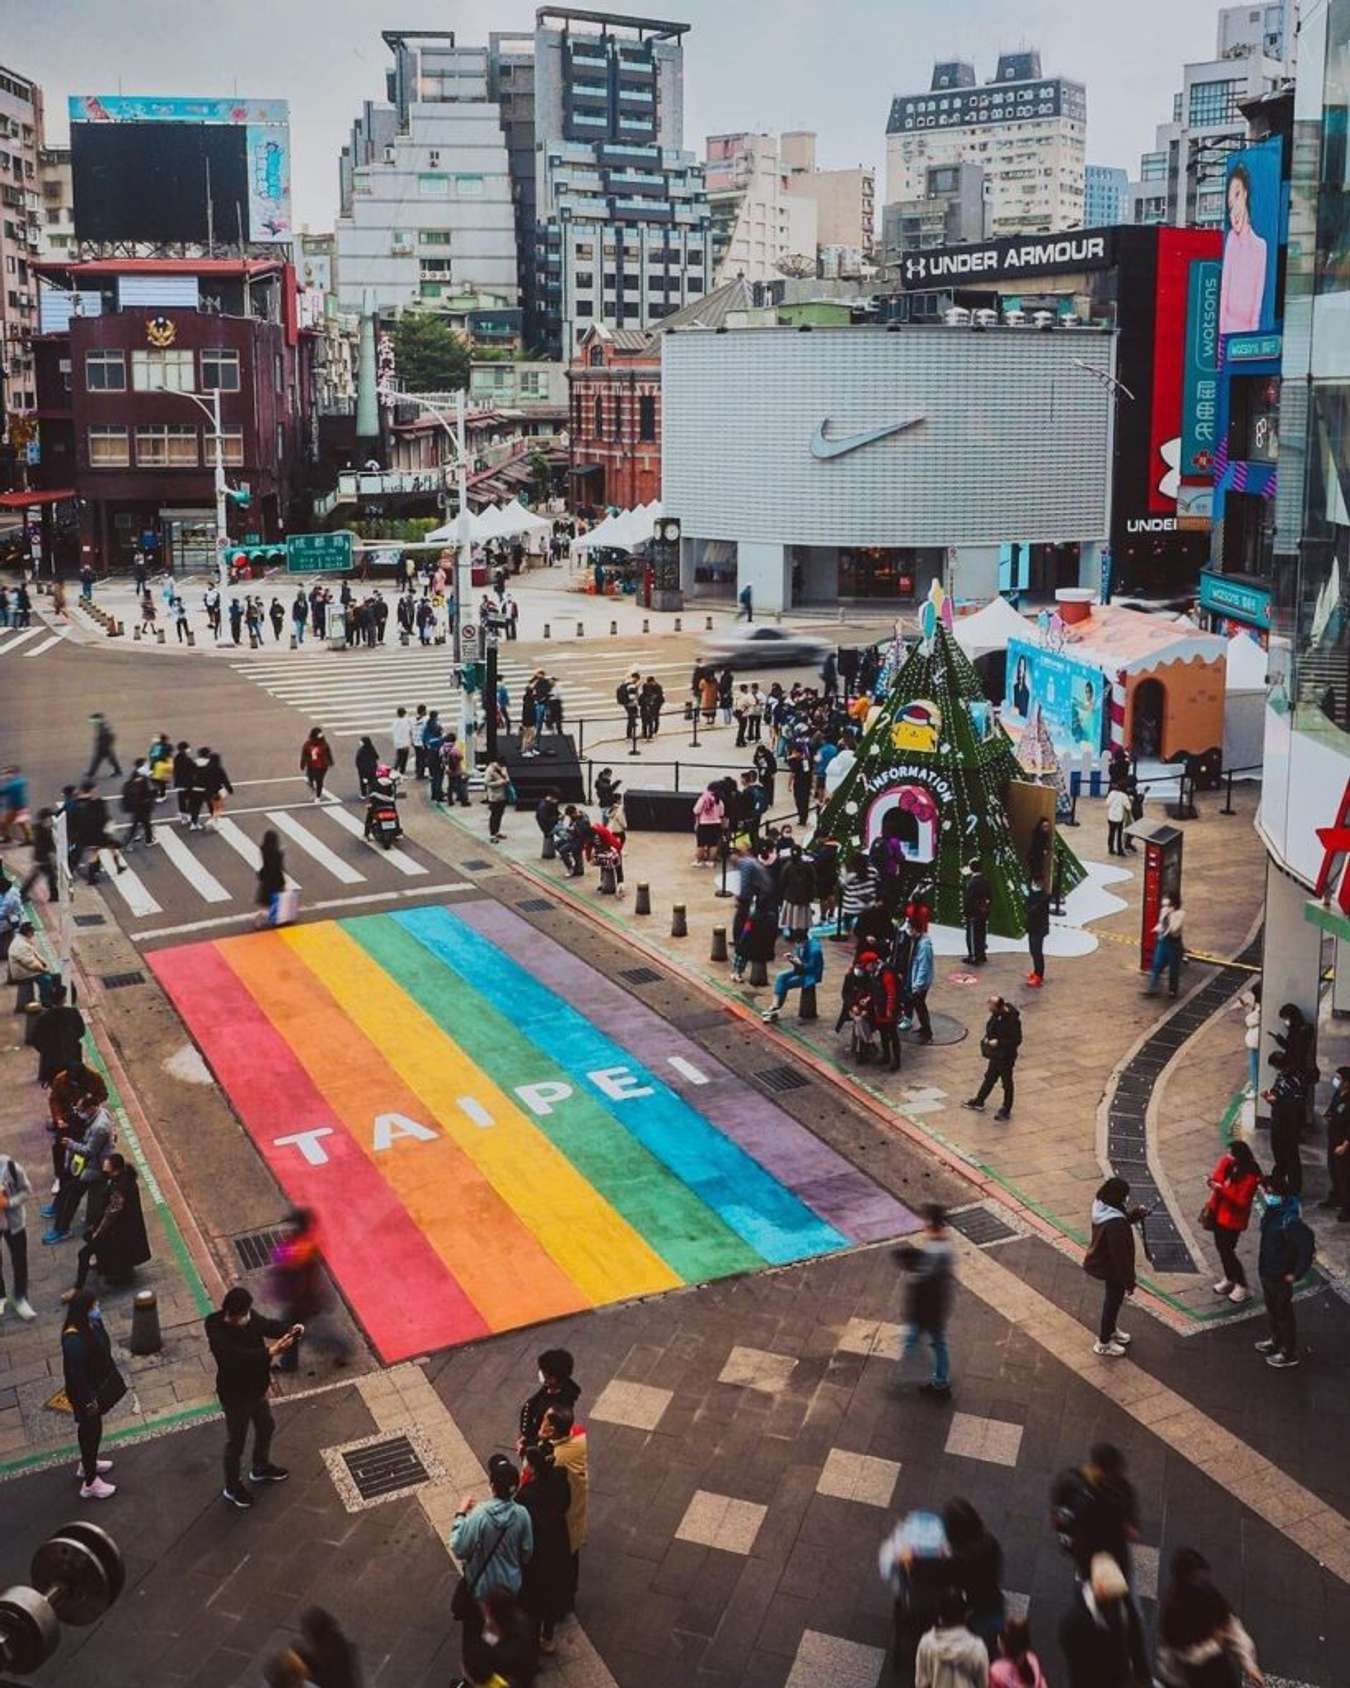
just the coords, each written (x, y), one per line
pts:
(463, 576)
(222, 537)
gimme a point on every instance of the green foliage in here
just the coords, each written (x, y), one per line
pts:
(543, 477)
(429, 356)
(409, 529)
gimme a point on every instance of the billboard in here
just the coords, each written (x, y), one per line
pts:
(1071, 694)
(1251, 242)
(1200, 378)
(166, 170)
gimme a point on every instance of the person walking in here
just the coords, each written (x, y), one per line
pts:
(271, 878)
(1117, 814)
(498, 790)
(977, 899)
(105, 742)
(244, 1344)
(746, 601)
(1016, 1665)
(328, 1657)
(1038, 930)
(300, 1291)
(276, 614)
(1201, 1643)
(1094, 1509)
(316, 758)
(1167, 947)
(1233, 1185)
(949, 1655)
(15, 1189)
(214, 782)
(929, 1266)
(44, 857)
(93, 1386)
(975, 1567)
(572, 1456)
(492, 1539)
(919, 972)
(1286, 1255)
(1110, 1259)
(1337, 1120)
(546, 1586)
(400, 735)
(1000, 1045)
(299, 615)
(1100, 1635)
(138, 801)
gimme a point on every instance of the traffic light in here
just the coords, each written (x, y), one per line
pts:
(240, 496)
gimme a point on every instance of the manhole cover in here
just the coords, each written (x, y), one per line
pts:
(779, 1079)
(640, 975)
(536, 905)
(257, 1248)
(384, 1468)
(980, 1226)
(89, 920)
(475, 867)
(119, 981)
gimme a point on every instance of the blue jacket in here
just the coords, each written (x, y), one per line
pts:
(809, 960)
(921, 967)
(492, 1543)
(1287, 1244)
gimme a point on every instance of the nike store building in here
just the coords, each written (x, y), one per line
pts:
(863, 463)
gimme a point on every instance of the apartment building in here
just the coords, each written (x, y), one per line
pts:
(760, 229)
(20, 241)
(845, 200)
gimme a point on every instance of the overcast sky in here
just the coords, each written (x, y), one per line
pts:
(750, 64)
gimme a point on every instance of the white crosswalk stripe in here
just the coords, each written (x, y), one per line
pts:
(239, 840)
(286, 822)
(394, 856)
(11, 640)
(201, 879)
(46, 645)
(129, 886)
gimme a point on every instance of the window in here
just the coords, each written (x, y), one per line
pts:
(599, 417)
(632, 283)
(433, 184)
(281, 442)
(435, 237)
(105, 372)
(618, 416)
(1214, 102)
(584, 251)
(646, 416)
(469, 187)
(584, 278)
(532, 383)
(584, 307)
(108, 448)
(231, 447)
(167, 445)
(220, 370)
(162, 372)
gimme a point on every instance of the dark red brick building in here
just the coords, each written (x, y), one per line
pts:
(120, 343)
(615, 397)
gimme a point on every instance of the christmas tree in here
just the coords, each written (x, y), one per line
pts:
(1040, 761)
(933, 770)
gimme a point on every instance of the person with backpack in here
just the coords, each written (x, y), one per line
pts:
(1288, 1248)
(1000, 1045)
(1233, 1185)
(316, 758)
(1093, 1509)
(1110, 1259)
(138, 801)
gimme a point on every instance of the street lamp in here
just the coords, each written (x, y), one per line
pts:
(212, 413)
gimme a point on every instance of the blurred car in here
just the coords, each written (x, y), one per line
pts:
(765, 646)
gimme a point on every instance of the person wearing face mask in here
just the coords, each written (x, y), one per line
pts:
(557, 1386)
(93, 1383)
(1287, 1250)
(1338, 1145)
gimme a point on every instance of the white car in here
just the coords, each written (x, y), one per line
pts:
(765, 646)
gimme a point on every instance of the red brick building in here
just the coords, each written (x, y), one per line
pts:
(615, 397)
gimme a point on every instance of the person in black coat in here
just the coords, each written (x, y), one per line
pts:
(87, 1365)
(1100, 1634)
(975, 1566)
(367, 760)
(1038, 929)
(1001, 1041)
(1038, 852)
(271, 877)
(546, 1589)
(1338, 1145)
(244, 1344)
(115, 1237)
(508, 1649)
(977, 900)
(58, 1033)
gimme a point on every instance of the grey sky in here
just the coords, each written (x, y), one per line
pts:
(750, 64)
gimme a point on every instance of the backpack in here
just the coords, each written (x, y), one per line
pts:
(129, 796)
(621, 695)
(1073, 1502)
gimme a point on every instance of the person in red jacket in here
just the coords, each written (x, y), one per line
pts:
(316, 758)
(603, 842)
(1233, 1185)
(884, 1009)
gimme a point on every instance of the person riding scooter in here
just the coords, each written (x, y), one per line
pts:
(382, 822)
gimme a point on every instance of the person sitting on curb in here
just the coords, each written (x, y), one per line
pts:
(806, 966)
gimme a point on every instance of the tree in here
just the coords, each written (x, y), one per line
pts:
(429, 356)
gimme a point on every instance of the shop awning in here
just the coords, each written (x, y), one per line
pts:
(587, 469)
(28, 500)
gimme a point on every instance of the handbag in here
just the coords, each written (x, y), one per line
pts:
(1208, 1222)
(112, 1386)
(462, 1600)
(987, 1049)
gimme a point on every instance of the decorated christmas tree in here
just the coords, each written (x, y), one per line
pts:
(933, 770)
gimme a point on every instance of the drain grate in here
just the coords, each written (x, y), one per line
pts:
(256, 1249)
(475, 866)
(384, 1468)
(89, 920)
(536, 905)
(640, 975)
(119, 981)
(781, 1079)
(981, 1226)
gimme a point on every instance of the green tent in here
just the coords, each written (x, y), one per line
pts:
(933, 769)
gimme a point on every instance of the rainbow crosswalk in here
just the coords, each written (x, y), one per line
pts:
(492, 1132)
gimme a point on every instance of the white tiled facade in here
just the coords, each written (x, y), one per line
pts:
(760, 226)
(20, 233)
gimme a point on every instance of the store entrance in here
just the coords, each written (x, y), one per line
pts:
(883, 571)
(1053, 566)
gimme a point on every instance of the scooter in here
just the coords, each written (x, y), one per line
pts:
(382, 822)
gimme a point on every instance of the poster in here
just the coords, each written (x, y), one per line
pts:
(1251, 241)
(1200, 375)
(1071, 694)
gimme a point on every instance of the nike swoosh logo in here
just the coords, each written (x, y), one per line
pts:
(823, 448)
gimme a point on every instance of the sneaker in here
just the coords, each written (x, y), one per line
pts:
(1239, 1293)
(1281, 1362)
(238, 1496)
(1122, 1337)
(939, 1391)
(1003, 1114)
(1035, 980)
(97, 1490)
(268, 1473)
(770, 1014)
(100, 1465)
(972, 1103)
(1265, 1346)
(56, 1236)
(1222, 1287)
(48, 1212)
(1109, 1350)
(24, 1308)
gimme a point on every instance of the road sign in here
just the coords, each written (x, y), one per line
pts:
(468, 642)
(319, 553)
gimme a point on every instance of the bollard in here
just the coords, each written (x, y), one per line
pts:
(136, 631)
(119, 629)
(646, 625)
(719, 944)
(547, 631)
(294, 646)
(608, 884)
(806, 1008)
(581, 630)
(613, 629)
(548, 853)
(145, 1337)
(191, 639)
(643, 904)
(707, 624)
(159, 635)
(679, 624)
(759, 973)
(679, 924)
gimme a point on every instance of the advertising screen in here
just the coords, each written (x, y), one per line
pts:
(1071, 694)
(1251, 240)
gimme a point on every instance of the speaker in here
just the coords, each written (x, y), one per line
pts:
(650, 810)
(556, 768)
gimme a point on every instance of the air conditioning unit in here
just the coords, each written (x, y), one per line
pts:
(1015, 318)
(402, 245)
(956, 316)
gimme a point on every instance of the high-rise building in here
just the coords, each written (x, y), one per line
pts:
(58, 202)
(1181, 177)
(759, 229)
(20, 239)
(1026, 131)
(845, 200)
(623, 230)
(1106, 196)
(427, 211)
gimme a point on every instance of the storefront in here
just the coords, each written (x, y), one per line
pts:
(887, 571)
(1231, 605)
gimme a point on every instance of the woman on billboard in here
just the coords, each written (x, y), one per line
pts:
(1242, 290)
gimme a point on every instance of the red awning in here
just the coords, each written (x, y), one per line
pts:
(27, 500)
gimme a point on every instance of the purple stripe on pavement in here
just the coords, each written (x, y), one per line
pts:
(830, 1185)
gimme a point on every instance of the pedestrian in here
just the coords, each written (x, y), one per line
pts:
(14, 823)
(367, 760)
(500, 1646)
(651, 701)
(1110, 1259)
(1201, 1643)
(628, 695)
(977, 899)
(1016, 1665)
(975, 1566)
(148, 612)
(299, 615)
(271, 878)
(498, 791)
(58, 1033)
(920, 972)
(799, 772)
(400, 734)
(571, 1454)
(861, 889)
(11, 913)
(419, 722)
(83, 1170)
(1038, 852)
(709, 822)
(213, 782)
(328, 1657)
(433, 742)
(236, 620)
(1117, 813)
(546, 1587)
(708, 692)
(1286, 1255)
(746, 600)
(883, 1005)
(44, 857)
(928, 1263)
(1038, 929)
(1288, 1099)
(726, 686)
(1000, 1045)
(1100, 1635)
(796, 890)
(244, 1344)
(116, 1236)
(1167, 947)
(492, 1539)
(1295, 1041)
(740, 711)
(1233, 1185)
(300, 1290)
(805, 969)
(1251, 1037)
(15, 1189)
(27, 965)
(138, 801)
(557, 1386)
(1338, 1146)
(105, 741)
(453, 771)
(949, 1655)
(316, 758)
(211, 605)
(93, 1386)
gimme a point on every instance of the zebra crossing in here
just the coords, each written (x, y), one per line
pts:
(190, 879)
(19, 641)
(352, 693)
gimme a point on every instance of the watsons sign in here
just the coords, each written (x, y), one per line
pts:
(999, 258)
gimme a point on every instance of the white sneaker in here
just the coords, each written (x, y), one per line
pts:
(101, 1465)
(1239, 1293)
(56, 1186)
(1109, 1350)
(1122, 1337)
(23, 1307)
(770, 1014)
(1222, 1287)
(97, 1490)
